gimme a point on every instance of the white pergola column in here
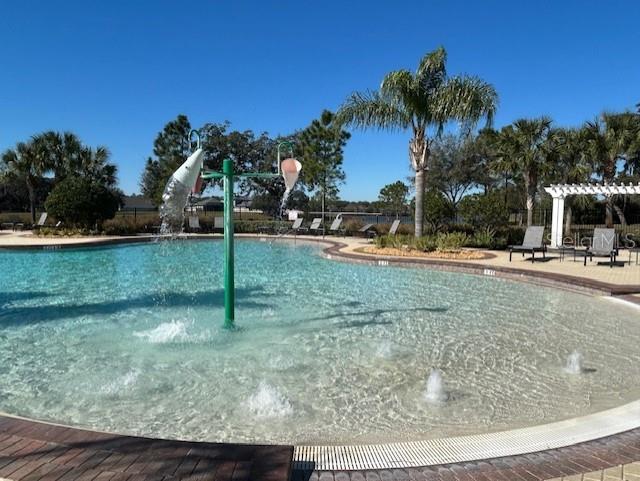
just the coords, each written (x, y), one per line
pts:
(557, 222)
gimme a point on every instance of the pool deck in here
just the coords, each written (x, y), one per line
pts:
(32, 451)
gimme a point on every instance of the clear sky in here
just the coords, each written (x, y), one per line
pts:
(115, 72)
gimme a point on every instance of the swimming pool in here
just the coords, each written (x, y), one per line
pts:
(128, 339)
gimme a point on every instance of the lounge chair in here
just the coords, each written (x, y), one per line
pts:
(603, 244)
(42, 219)
(367, 231)
(533, 242)
(194, 223)
(297, 225)
(314, 227)
(218, 224)
(394, 227)
(265, 229)
(335, 226)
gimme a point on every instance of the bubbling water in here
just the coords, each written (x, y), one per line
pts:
(574, 363)
(268, 402)
(435, 392)
(165, 333)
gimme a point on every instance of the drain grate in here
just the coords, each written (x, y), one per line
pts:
(468, 448)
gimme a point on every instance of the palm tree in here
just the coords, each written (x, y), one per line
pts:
(527, 148)
(63, 150)
(571, 167)
(611, 139)
(29, 161)
(428, 99)
(94, 164)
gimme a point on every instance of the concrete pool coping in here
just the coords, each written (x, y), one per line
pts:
(462, 449)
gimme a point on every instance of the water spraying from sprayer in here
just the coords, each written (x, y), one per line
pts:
(574, 363)
(435, 392)
(177, 191)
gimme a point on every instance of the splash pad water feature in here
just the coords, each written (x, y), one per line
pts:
(185, 180)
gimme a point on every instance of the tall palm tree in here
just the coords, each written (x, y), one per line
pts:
(571, 167)
(527, 148)
(29, 161)
(428, 99)
(611, 139)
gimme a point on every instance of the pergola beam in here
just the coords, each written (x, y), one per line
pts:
(560, 191)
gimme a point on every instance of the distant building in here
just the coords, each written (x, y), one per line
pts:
(137, 203)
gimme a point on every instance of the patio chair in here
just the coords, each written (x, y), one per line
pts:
(335, 228)
(603, 244)
(42, 219)
(194, 223)
(314, 227)
(266, 229)
(297, 225)
(394, 227)
(367, 231)
(533, 242)
(218, 224)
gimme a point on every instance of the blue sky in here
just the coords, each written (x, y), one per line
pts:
(115, 72)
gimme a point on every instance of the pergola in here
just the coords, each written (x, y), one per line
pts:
(560, 191)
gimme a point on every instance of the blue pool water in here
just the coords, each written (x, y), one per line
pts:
(128, 339)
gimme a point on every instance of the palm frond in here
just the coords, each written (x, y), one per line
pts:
(432, 70)
(465, 99)
(403, 89)
(372, 109)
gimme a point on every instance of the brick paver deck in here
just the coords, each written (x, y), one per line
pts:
(32, 451)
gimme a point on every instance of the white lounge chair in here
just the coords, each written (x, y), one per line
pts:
(218, 224)
(394, 227)
(335, 226)
(314, 227)
(194, 223)
(42, 219)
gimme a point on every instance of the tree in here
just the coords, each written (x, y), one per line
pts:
(82, 202)
(527, 148)
(610, 140)
(171, 148)
(321, 147)
(437, 210)
(394, 196)
(28, 161)
(484, 210)
(428, 99)
(455, 168)
(571, 167)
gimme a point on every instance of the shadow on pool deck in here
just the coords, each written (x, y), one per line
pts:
(37, 451)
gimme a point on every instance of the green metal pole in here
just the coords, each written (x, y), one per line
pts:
(229, 284)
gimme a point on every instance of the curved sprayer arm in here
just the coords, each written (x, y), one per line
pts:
(288, 144)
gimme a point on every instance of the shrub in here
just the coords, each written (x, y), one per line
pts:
(78, 202)
(484, 238)
(426, 243)
(451, 241)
